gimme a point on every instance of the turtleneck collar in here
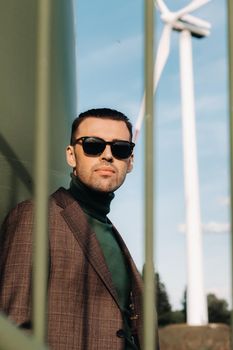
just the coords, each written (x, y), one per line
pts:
(94, 203)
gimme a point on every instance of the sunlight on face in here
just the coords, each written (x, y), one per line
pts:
(103, 172)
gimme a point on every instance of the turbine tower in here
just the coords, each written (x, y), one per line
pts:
(188, 26)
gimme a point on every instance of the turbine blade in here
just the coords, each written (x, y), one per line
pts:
(139, 120)
(161, 6)
(196, 21)
(161, 59)
(192, 6)
(162, 53)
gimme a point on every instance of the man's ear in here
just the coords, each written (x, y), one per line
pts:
(70, 156)
(130, 164)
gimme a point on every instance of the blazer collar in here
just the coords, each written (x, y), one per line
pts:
(78, 224)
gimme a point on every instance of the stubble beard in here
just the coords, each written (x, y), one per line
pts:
(99, 183)
(104, 185)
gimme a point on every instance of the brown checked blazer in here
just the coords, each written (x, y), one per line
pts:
(83, 310)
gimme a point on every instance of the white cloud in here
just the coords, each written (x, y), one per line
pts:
(211, 103)
(216, 68)
(224, 201)
(210, 227)
(216, 227)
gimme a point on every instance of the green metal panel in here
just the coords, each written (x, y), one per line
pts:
(18, 26)
(36, 81)
(40, 239)
(12, 338)
(149, 340)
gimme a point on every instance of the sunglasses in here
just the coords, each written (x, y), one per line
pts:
(94, 146)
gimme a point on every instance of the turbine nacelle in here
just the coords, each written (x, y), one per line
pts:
(181, 20)
(195, 31)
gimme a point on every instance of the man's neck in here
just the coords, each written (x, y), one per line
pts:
(94, 203)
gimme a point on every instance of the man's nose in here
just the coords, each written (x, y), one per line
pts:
(107, 153)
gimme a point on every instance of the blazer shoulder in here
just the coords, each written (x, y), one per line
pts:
(62, 197)
(21, 211)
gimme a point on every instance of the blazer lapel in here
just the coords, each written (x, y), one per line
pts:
(136, 302)
(78, 224)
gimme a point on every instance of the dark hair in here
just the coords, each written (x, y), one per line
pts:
(102, 113)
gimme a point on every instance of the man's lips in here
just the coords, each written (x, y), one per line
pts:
(105, 170)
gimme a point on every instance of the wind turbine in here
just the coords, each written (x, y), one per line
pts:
(188, 26)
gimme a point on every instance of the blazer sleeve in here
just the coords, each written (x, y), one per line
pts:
(16, 265)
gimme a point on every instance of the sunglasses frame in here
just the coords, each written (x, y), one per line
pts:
(105, 143)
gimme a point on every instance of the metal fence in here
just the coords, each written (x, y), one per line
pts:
(42, 29)
(10, 336)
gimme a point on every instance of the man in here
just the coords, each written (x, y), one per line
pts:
(94, 288)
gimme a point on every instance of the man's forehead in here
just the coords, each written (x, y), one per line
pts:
(105, 128)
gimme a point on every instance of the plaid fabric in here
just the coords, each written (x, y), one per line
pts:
(83, 311)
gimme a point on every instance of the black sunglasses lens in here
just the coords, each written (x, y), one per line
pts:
(121, 150)
(93, 146)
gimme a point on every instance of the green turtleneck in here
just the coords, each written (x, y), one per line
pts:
(96, 205)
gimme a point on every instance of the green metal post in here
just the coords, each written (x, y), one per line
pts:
(13, 338)
(230, 70)
(41, 171)
(149, 273)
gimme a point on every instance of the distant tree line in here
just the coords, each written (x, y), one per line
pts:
(218, 310)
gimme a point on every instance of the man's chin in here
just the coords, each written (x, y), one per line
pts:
(105, 187)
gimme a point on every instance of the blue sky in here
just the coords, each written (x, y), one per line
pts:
(110, 74)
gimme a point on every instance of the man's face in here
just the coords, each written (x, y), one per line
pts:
(103, 172)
